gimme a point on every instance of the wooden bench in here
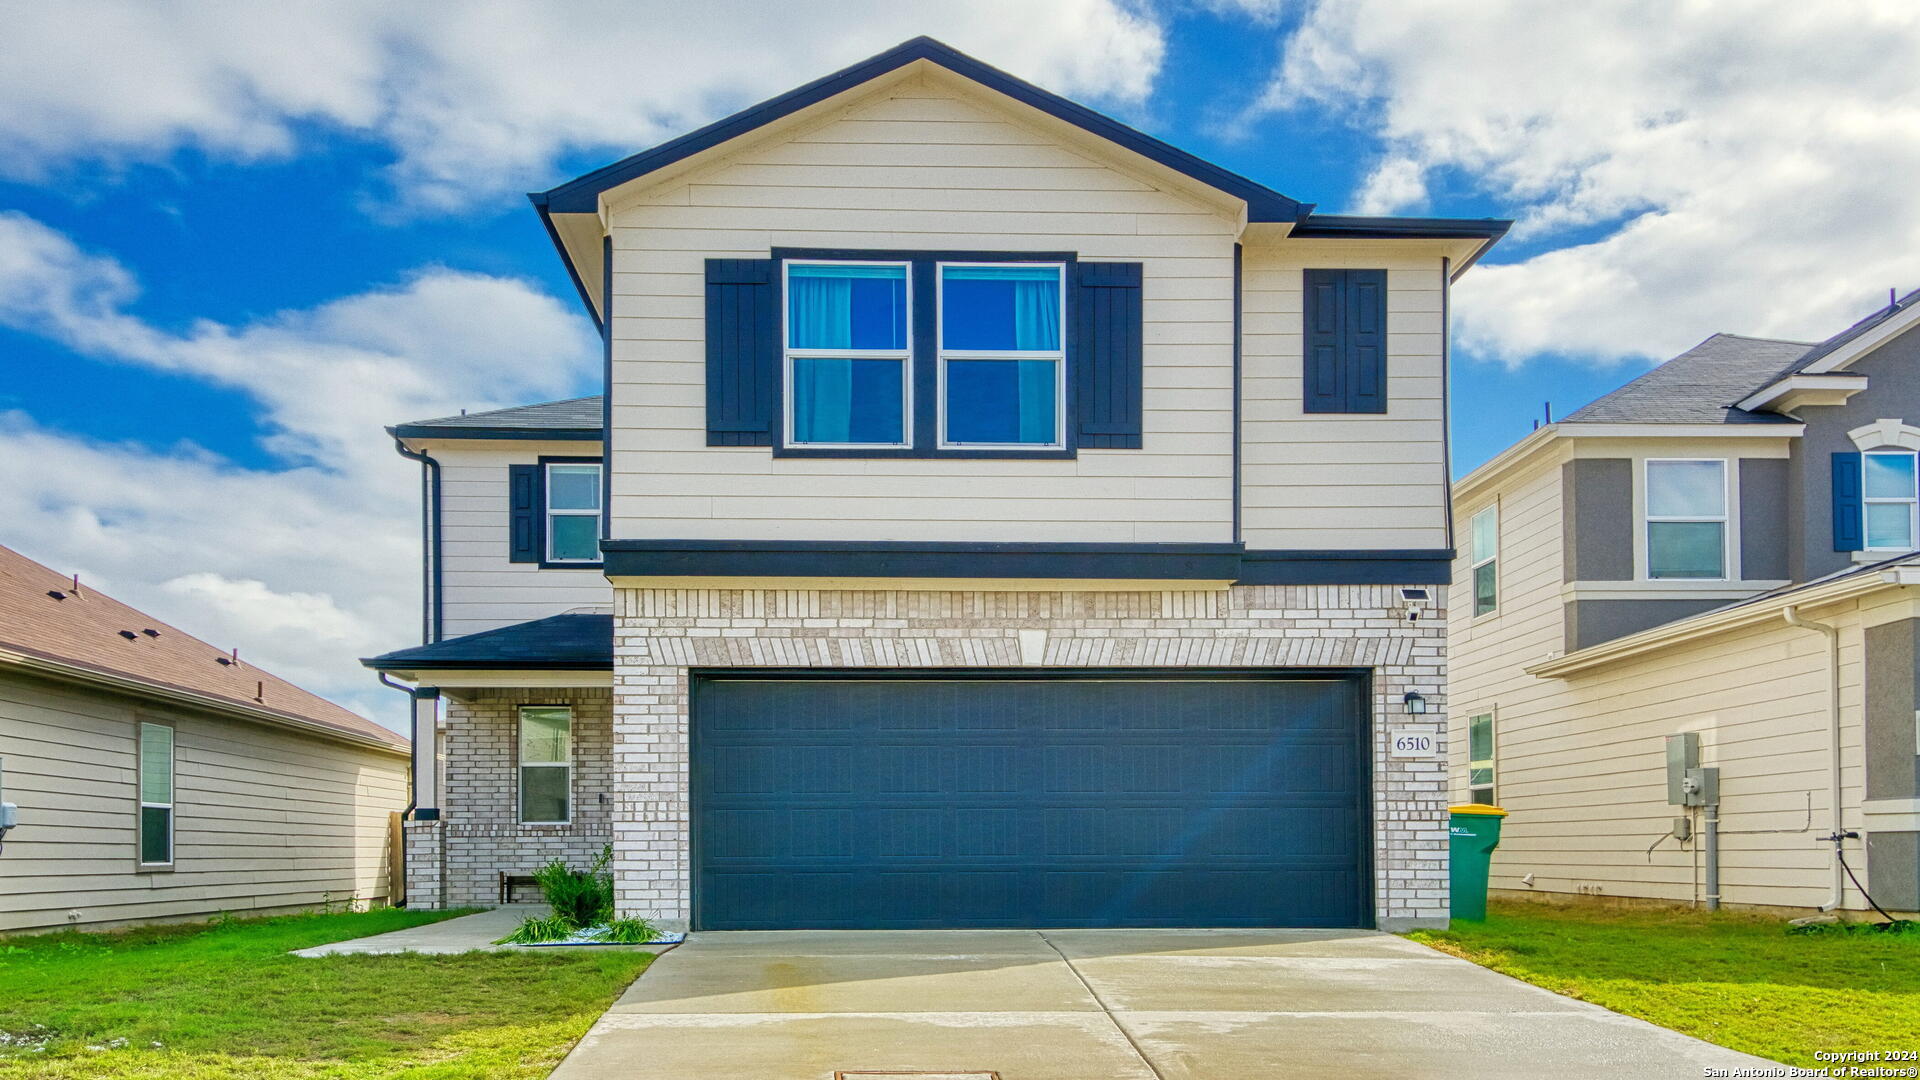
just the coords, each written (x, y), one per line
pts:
(510, 881)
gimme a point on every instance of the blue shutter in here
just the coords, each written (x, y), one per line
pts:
(743, 350)
(1108, 346)
(1365, 353)
(1849, 508)
(524, 512)
(1324, 377)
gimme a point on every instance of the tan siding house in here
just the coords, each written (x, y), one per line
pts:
(944, 416)
(1649, 557)
(156, 778)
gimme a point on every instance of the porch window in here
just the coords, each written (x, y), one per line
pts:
(546, 764)
(1686, 511)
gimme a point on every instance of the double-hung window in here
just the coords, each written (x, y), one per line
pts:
(546, 764)
(1480, 759)
(156, 795)
(1686, 512)
(1888, 485)
(1002, 355)
(573, 512)
(1486, 560)
(848, 354)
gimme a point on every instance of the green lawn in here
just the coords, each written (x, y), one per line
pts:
(1738, 980)
(226, 1000)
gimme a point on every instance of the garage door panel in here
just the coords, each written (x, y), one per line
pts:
(860, 802)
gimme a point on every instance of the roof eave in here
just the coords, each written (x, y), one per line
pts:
(539, 200)
(1803, 389)
(512, 434)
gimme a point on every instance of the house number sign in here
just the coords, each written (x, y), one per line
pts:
(1416, 741)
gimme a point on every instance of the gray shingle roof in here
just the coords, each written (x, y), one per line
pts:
(574, 418)
(574, 641)
(1699, 386)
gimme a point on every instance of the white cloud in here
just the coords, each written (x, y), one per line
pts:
(307, 566)
(478, 99)
(1746, 167)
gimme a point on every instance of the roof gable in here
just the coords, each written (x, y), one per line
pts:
(1700, 386)
(582, 195)
(575, 419)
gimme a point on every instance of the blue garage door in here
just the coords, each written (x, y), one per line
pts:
(1050, 801)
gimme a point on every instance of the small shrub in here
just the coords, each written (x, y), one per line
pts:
(537, 929)
(629, 931)
(582, 897)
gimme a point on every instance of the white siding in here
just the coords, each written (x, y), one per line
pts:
(1322, 480)
(920, 167)
(264, 819)
(1581, 759)
(482, 589)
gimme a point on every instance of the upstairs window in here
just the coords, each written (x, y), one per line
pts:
(1485, 553)
(546, 764)
(573, 512)
(848, 335)
(1480, 760)
(156, 795)
(1888, 486)
(1002, 355)
(1686, 512)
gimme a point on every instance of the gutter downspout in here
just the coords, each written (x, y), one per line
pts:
(431, 623)
(413, 798)
(1791, 613)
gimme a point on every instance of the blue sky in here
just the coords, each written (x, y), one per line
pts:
(241, 240)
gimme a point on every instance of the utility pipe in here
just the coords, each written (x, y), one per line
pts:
(1711, 832)
(1791, 613)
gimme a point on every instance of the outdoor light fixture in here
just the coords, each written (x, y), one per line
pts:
(1416, 705)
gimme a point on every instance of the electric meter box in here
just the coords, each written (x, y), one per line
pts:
(1683, 754)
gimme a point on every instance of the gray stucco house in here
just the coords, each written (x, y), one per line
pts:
(994, 516)
(1722, 550)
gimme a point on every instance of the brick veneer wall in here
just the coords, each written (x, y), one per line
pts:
(660, 633)
(457, 860)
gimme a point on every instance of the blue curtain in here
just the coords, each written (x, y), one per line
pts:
(1002, 307)
(847, 307)
(822, 400)
(822, 315)
(1036, 313)
(1036, 400)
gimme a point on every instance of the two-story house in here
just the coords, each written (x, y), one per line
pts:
(995, 516)
(1715, 561)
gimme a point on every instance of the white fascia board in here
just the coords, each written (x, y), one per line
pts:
(1842, 358)
(507, 678)
(1810, 389)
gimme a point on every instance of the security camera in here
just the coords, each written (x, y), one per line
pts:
(1415, 601)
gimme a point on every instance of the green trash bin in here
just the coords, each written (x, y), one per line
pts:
(1474, 833)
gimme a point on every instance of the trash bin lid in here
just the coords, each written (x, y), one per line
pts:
(1481, 809)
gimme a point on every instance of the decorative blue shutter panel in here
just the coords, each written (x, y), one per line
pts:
(523, 513)
(743, 351)
(1324, 377)
(1108, 347)
(1849, 507)
(1366, 341)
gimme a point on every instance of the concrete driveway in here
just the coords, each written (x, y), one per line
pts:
(1104, 1005)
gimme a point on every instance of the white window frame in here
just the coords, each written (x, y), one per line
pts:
(942, 354)
(521, 765)
(1912, 502)
(1476, 561)
(145, 804)
(1491, 762)
(1648, 520)
(549, 512)
(788, 354)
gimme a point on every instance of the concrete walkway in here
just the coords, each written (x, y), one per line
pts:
(468, 933)
(1106, 1004)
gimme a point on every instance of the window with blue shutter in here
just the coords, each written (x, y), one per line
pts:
(1849, 503)
(743, 349)
(1344, 341)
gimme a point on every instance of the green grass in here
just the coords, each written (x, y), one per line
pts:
(1735, 979)
(226, 1000)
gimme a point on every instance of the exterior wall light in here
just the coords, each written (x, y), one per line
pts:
(1416, 705)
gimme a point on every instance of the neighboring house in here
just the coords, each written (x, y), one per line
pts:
(1635, 571)
(158, 777)
(1003, 518)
